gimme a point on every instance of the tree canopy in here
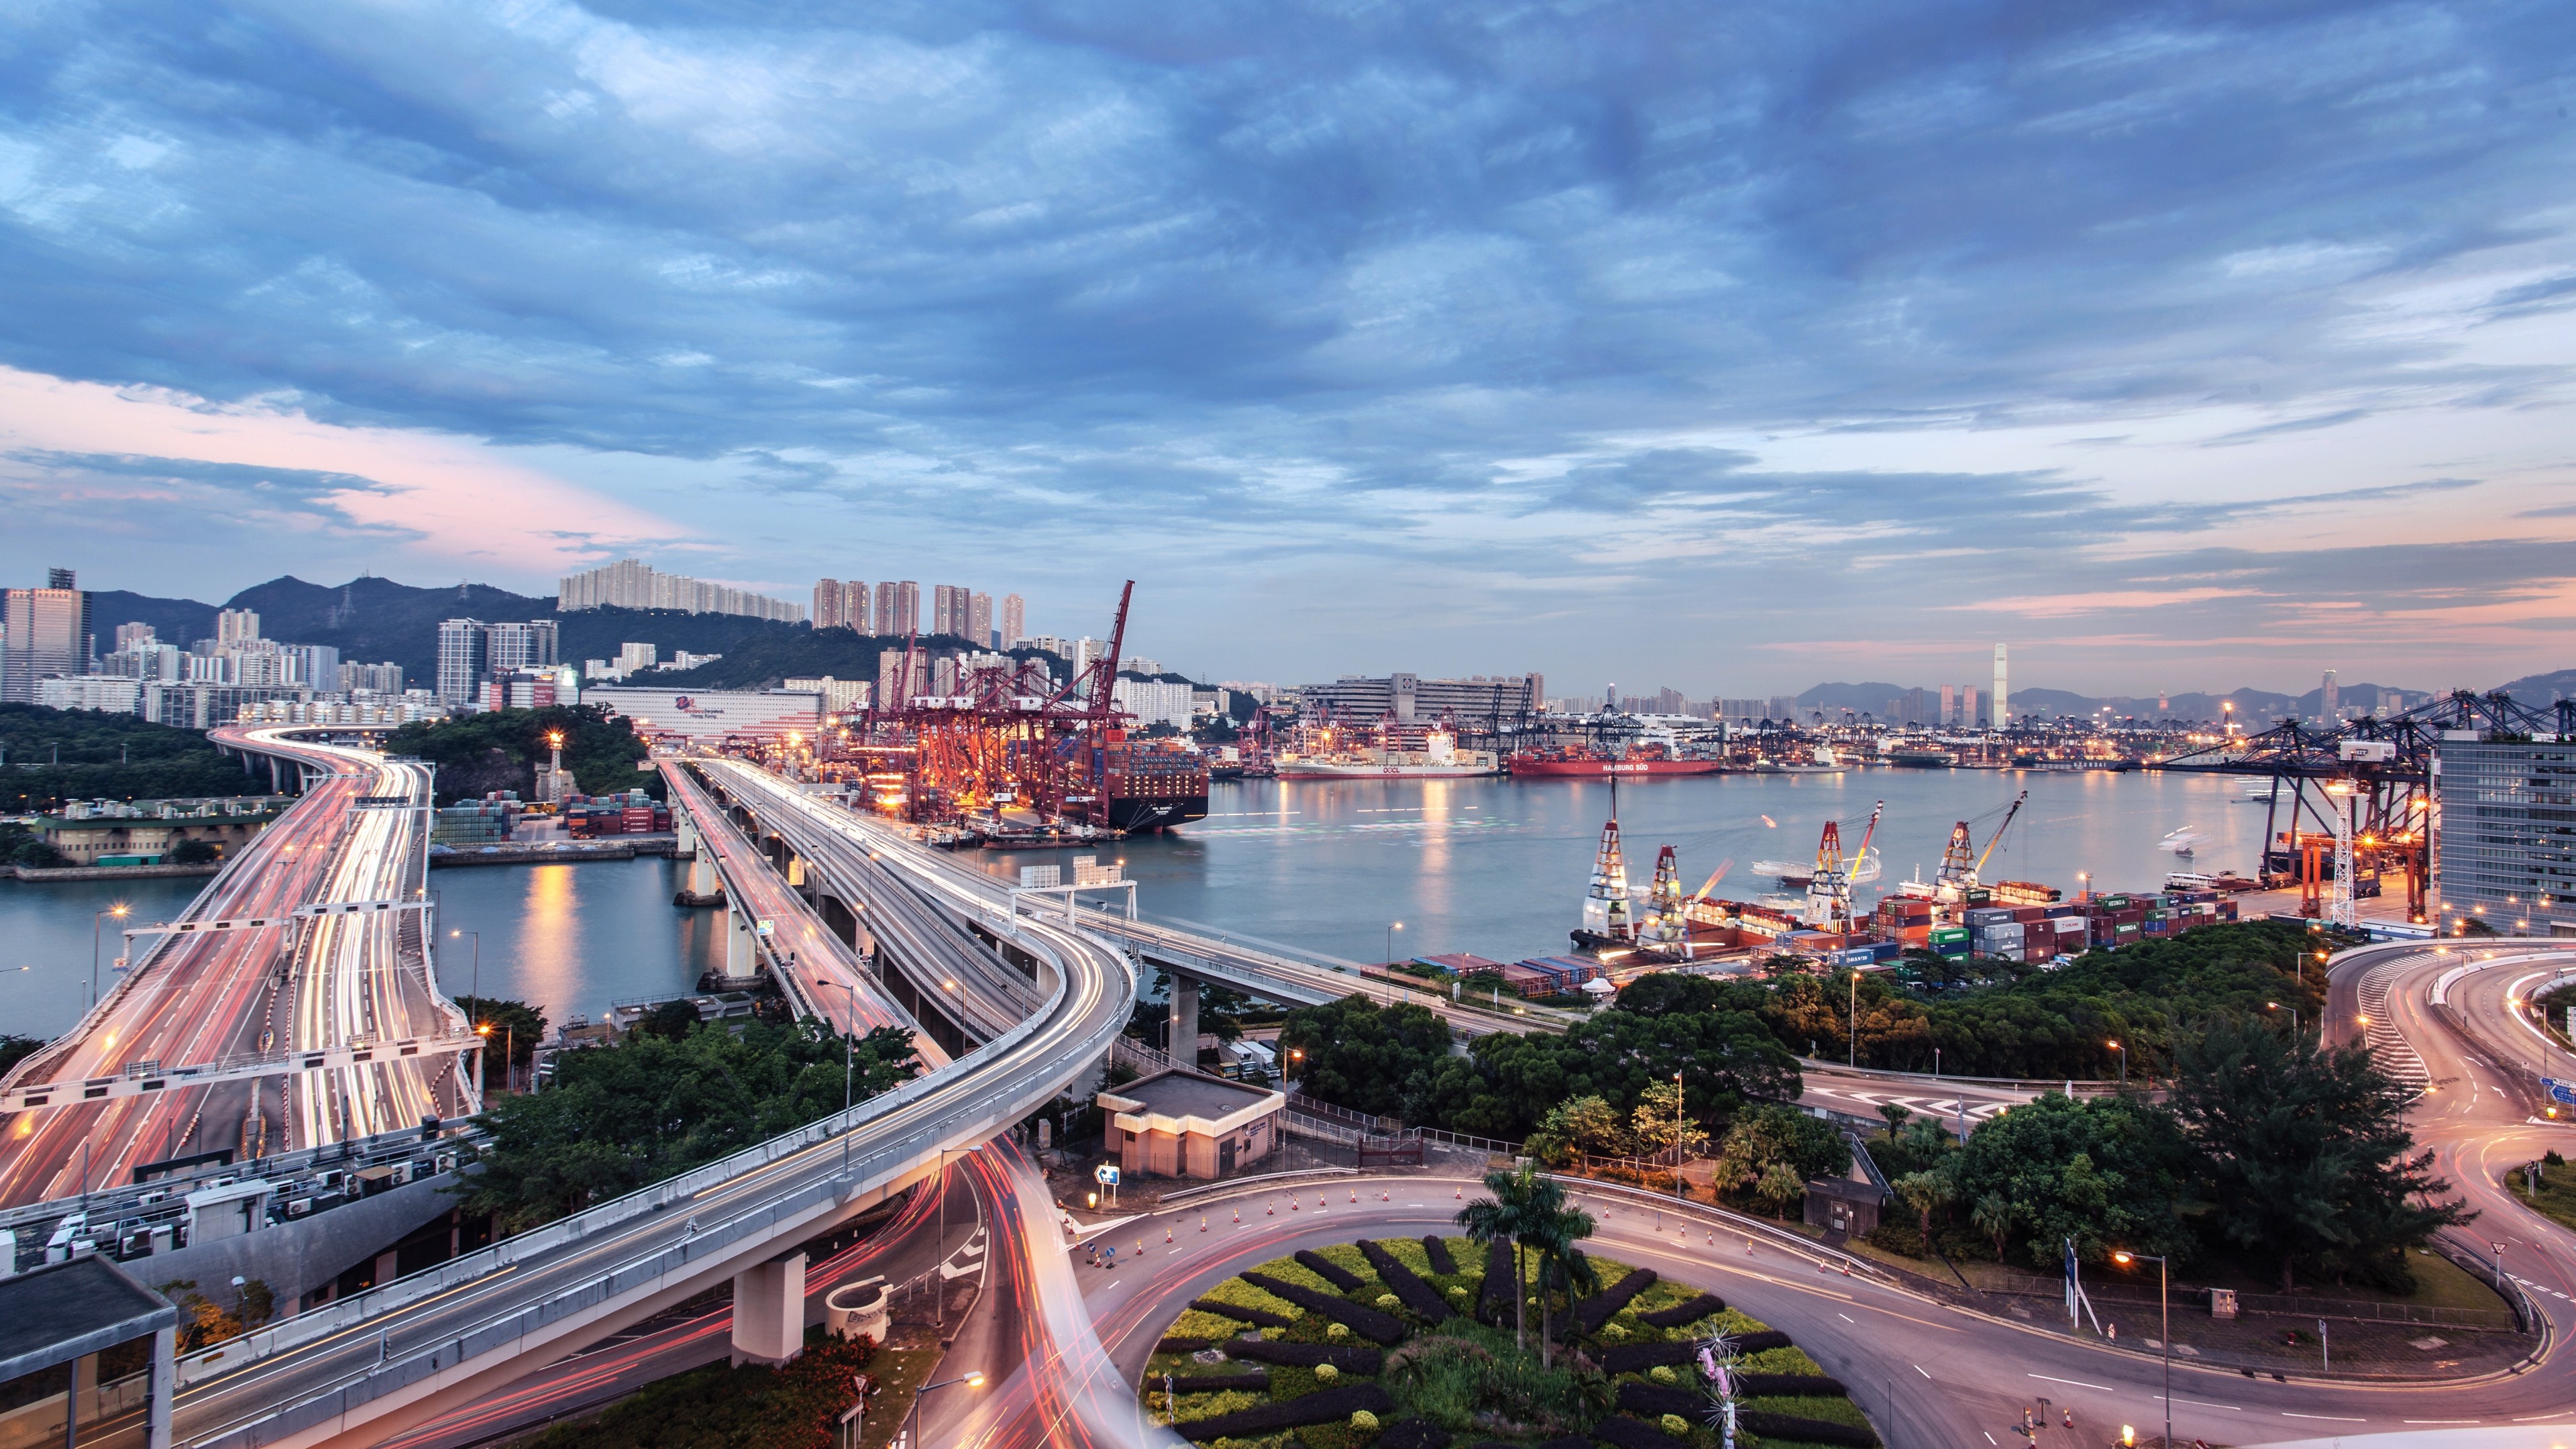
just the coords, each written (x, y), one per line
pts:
(624, 1116)
(500, 749)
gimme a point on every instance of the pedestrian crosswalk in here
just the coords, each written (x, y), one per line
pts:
(2379, 1027)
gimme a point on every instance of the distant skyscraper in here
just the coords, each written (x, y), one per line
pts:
(2332, 697)
(944, 610)
(1015, 620)
(235, 627)
(43, 633)
(129, 635)
(1949, 705)
(979, 620)
(464, 659)
(827, 604)
(898, 609)
(2000, 701)
(533, 645)
(630, 584)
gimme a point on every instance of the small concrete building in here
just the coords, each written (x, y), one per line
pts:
(1847, 1205)
(87, 1356)
(1179, 1124)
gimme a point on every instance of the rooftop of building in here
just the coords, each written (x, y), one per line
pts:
(1176, 1093)
(61, 1311)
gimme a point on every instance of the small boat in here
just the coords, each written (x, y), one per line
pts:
(2180, 842)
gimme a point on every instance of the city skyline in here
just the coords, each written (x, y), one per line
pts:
(2178, 352)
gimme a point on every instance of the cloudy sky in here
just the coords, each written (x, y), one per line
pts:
(1726, 347)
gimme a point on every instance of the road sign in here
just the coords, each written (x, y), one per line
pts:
(2560, 1092)
(1107, 1174)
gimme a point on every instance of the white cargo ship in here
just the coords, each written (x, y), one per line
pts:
(1438, 759)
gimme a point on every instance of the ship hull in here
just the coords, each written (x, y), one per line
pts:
(1317, 770)
(1132, 813)
(1532, 769)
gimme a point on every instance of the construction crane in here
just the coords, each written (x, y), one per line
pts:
(1958, 871)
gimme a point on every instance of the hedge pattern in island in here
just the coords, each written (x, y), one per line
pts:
(1407, 1343)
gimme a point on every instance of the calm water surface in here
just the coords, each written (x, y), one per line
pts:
(1489, 866)
(1499, 867)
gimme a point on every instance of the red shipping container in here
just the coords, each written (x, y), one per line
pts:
(2027, 914)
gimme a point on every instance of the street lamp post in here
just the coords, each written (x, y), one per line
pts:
(1851, 1045)
(912, 1435)
(482, 1064)
(2124, 1061)
(97, 920)
(849, 1065)
(2165, 1306)
(1391, 929)
(2294, 1019)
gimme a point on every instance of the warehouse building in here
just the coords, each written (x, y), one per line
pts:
(1474, 702)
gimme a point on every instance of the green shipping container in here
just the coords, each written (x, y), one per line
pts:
(1949, 933)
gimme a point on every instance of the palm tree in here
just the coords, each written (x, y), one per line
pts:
(1993, 1216)
(1924, 1191)
(1507, 1217)
(1552, 1235)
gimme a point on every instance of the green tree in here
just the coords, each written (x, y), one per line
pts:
(1356, 1054)
(622, 1117)
(2106, 1172)
(517, 1030)
(1586, 1124)
(1924, 1191)
(2304, 1156)
(1776, 1135)
(1993, 1216)
(1554, 1237)
(1512, 1215)
(1780, 1185)
(499, 750)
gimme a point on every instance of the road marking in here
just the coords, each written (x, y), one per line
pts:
(1847, 1318)
(2202, 1404)
(1989, 1437)
(2079, 1383)
(1918, 1368)
(2322, 1418)
(2441, 1421)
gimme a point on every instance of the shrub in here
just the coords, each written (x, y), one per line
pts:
(1337, 1331)
(1326, 1373)
(1674, 1424)
(1663, 1374)
(1363, 1419)
(1614, 1331)
(1387, 1301)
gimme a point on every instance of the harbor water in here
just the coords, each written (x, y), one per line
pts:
(1492, 866)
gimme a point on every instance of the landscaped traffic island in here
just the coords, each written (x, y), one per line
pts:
(1409, 1343)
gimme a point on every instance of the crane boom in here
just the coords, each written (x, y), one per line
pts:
(1994, 839)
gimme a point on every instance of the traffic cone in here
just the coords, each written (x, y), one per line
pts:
(1274, 1211)
(1384, 1196)
(1292, 1204)
(1238, 1217)
(1355, 1194)
(1140, 1246)
(1203, 1222)
(1459, 1193)
(1167, 1232)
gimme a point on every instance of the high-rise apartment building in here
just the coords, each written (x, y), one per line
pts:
(317, 665)
(979, 620)
(841, 604)
(2000, 700)
(464, 659)
(236, 627)
(898, 609)
(43, 633)
(630, 584)
(1014, 621)
(952, 612)
(536, 644)
(386, 678)
(129, 635)
(2329, 697)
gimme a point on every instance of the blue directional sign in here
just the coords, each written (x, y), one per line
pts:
(2561, 1092)
(1107, 1174)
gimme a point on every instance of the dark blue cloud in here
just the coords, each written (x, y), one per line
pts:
(1012, 275)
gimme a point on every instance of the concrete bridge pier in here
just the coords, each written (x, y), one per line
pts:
(769, 1311)
(742, 949)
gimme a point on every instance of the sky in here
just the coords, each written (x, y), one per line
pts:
(1729, 348)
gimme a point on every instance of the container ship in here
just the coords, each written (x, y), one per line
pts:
(1130, 785)
(1437, 758)
(1590, 764)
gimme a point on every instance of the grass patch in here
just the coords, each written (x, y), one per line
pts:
(1244, 1295)
(1833, 1410)
(1199, 1323)
(1202, 1406)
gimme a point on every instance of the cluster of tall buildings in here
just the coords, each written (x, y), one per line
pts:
(632, 584)
(894, 608)
(500, 666)
(49, 656)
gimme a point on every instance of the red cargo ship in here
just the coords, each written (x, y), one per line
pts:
(1587, 764)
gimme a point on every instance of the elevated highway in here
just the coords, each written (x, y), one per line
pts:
(366, 1367)
(255, 972)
